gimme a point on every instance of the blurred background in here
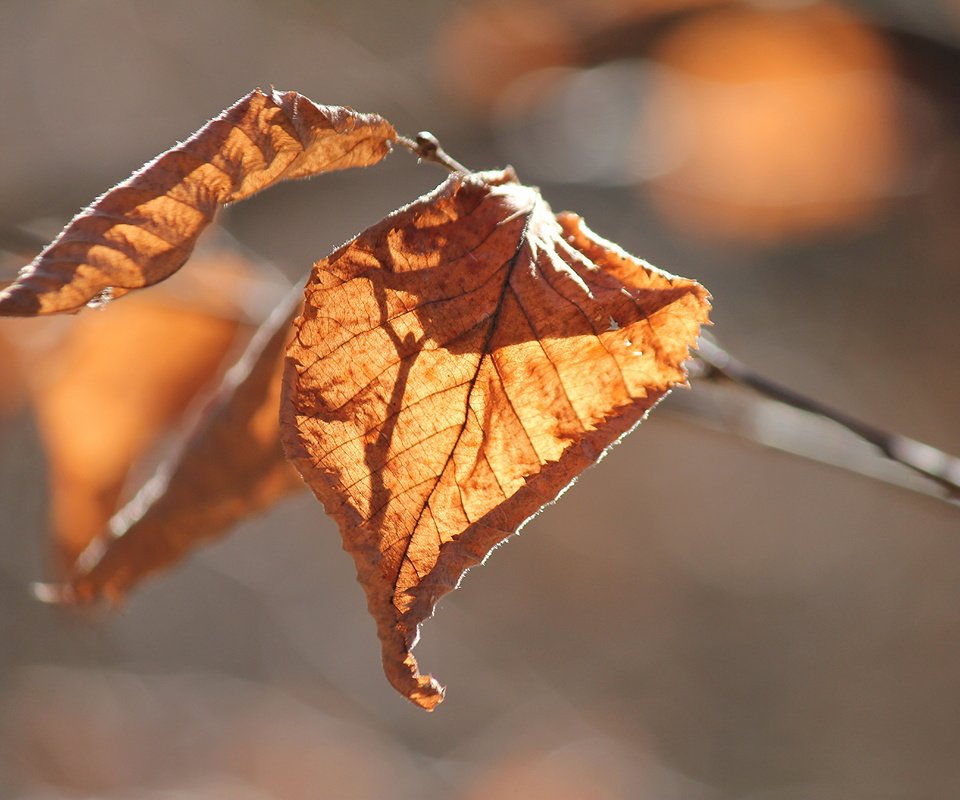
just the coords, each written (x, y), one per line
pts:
(699, 617)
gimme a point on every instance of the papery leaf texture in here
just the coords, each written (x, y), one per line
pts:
(455, 367)
(144, 229)
(230, 468)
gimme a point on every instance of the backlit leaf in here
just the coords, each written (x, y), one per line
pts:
(230, 468)
(455, 367)
(12, 389)
(107, 389)
(143, 230)
(116, 383)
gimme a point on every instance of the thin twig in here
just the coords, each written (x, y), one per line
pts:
(426, 147)
(932, 464)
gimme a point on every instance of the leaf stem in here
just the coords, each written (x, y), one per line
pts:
(933, 464)
(426, 147)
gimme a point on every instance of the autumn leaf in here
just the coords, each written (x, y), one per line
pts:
(452, 370)
(12, 382)
(112, 388)
(106, 388)
(230, 468)
(455, 367)
(144, 229)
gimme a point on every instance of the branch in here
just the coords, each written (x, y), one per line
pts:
(426, 147)
(771, 418)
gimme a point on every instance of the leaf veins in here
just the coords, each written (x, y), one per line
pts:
(454, 368)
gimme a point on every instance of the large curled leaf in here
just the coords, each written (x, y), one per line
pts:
(454, 368)
(229, 469)
(143, 230)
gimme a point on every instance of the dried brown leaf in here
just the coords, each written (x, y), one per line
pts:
(230, 468)
(116, 383)
(12, 384)
(455, 367)
(143, 230)
(107, 388)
